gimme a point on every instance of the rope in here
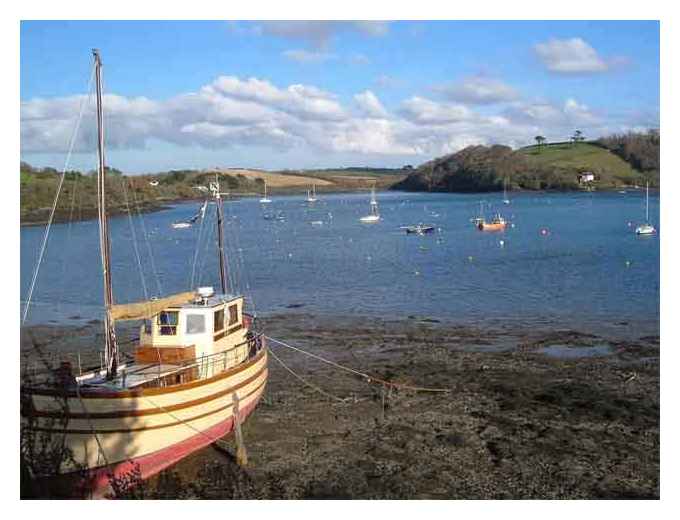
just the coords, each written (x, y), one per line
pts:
(305, 382)
(369, 378)
(94, 432)
(56, 199)
(217, 441)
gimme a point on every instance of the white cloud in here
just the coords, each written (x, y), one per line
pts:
(303, 56)
(320, 32)
(479, 90)
(426, 112)
(571, 56)
(232, 112)
(370, 105)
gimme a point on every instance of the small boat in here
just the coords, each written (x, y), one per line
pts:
(278, 216)
(374, 215)
(506, 200)
(183, 224)
(498, 223)
(311, 195)
(646, 228)
(198, 369)
(420, 229)
(180, 225)
(265, 200)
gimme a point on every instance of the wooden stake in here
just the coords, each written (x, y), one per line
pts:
(241, 452)
(382, 391)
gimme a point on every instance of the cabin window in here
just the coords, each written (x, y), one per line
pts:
(195, 323)
(167, 320)
(233, 314)
(219, 320)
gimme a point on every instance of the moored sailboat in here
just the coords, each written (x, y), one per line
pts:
(199, 366)
(265, 200)
(311, 194)
(646, 228)
(374, 215)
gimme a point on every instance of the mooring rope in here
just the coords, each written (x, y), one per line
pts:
(369, 378)
(318, 389)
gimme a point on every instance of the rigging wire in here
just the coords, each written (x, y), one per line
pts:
(209, 238)
(56, 199)
(134, 239)
(198, 245)
(148, 243)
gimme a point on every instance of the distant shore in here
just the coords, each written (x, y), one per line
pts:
(540, 412)
(40, 217)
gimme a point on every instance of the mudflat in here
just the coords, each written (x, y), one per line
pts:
(530, 412)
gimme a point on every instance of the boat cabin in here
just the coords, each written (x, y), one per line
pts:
(208, 325)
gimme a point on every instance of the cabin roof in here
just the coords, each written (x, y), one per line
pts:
(212, 301)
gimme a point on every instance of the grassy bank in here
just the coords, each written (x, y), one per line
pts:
(78, 199)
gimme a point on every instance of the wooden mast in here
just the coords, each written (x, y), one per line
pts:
(220, 236)
(111, 347)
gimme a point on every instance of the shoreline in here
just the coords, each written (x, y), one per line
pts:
(541, 412)
(30, 219)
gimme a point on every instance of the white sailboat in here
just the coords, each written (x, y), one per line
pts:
(506, 200)
(646, 228)
(374, 216)
(265, 200)
(311, 195)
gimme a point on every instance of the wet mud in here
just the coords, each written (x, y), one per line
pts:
(516, 422)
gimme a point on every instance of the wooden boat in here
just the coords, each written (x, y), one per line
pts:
(646, 228)
(498, 223)
(198, 367)
(374, 215)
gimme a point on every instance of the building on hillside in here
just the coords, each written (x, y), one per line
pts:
(586, 178)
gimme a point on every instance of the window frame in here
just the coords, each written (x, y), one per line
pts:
(216, 321)
(233, 316)
(167, 329)
(194, 315)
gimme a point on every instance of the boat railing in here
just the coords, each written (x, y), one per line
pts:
(50, 369)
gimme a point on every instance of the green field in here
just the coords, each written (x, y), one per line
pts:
(611, 170)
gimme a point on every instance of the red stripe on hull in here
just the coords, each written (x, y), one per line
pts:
(153, 463)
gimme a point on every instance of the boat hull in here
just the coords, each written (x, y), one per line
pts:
(146, 466)
(491, 227)
(145, 430)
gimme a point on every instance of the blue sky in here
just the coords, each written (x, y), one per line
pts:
(328, 94)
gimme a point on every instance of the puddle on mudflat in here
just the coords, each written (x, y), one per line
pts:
(576, 351)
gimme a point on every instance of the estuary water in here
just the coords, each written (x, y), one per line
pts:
(567, 259)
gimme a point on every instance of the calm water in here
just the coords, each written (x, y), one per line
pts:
(587, 267)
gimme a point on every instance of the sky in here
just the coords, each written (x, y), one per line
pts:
(324, 94)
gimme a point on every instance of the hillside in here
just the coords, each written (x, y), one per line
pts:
(78, 197)
(555, 166)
